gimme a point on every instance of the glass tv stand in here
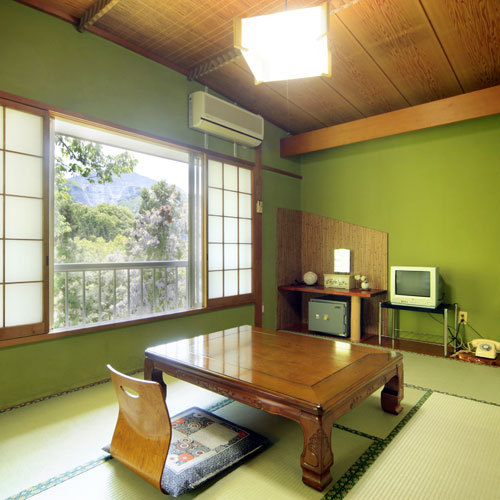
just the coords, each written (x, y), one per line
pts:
(441, 309)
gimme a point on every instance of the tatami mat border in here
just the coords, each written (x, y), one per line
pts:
(62, 393)
(358, 468)
(61, 478)
(411, 386)
(358, 433)
(54, 481)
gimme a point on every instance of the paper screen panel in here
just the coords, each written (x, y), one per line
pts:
(23, 218)
(23, 304)
(230, 204)
(230, 283)
(23, 175)
(245, 281)
(214, 201)
(215, 284)
(245, 206)
(230, 177)
(245, 256)
(23, 132)
(245, 181)
(214, 229)
(229, 196)
(215, 174)
(214, 256)
(245, 231)
(1, 127)
(1, 172)
(231, 256)
(230, 230)
(24, 261)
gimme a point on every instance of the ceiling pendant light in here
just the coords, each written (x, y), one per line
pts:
(287, 45)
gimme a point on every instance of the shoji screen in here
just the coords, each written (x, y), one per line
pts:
(22, 271)
(229, 230)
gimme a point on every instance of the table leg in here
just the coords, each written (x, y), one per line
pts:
(317, 456)
(151, 373)
(445, 331)
(380, 323)
(355, 318)
(393, 392)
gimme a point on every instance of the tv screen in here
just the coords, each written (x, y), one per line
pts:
(417, 283)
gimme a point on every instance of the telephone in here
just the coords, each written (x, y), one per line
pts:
(485, 348)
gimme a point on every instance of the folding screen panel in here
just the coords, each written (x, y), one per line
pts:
(229, 230)
(22, 232)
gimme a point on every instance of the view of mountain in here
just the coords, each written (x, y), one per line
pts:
(124, 190)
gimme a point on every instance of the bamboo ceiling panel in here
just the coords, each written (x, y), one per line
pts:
(185, 31)
(256, 97)
(386, 54)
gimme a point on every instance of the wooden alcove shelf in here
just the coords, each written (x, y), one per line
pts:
(355, 294)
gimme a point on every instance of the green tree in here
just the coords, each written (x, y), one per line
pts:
(103, 221)
(87, 159)
(161, 224)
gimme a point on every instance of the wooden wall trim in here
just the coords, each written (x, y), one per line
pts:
(444, 111)
(257, 237)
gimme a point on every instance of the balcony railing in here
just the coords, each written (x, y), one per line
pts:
(91, 293)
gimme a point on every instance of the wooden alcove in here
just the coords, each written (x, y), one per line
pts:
(305, 242)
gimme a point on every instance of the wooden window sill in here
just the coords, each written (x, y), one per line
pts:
(60, 333)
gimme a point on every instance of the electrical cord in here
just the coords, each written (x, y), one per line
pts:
(474, 330)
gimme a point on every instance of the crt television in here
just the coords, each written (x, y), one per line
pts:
(416, 286)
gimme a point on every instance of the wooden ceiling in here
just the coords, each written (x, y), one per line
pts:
(386, 54)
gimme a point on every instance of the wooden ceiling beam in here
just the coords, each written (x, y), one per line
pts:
(444, 111)
(94, 13)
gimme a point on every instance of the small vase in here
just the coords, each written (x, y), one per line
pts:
(365, 285)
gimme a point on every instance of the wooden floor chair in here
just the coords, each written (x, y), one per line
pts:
(143, 431)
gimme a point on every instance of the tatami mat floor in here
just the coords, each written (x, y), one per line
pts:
(54, 438)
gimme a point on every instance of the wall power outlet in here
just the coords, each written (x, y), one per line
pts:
(462, 317)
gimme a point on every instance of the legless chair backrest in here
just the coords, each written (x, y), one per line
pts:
(143, 430)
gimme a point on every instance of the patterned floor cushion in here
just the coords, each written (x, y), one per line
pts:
(204, 446)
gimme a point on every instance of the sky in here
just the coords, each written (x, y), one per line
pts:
(154, 167)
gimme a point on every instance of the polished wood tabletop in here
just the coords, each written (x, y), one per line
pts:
(312, 371)
(311, 380)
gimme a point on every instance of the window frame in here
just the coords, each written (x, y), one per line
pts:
(39, 332)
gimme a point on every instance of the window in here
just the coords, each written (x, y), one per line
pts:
(125, 226)
(98, 226)
(229, 230)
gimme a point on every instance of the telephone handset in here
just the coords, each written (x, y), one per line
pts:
(485, 348)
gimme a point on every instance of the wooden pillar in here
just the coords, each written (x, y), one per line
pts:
(355, 318)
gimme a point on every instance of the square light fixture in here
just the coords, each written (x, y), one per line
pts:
(287, 45)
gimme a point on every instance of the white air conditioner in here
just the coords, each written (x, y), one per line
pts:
(215, 116)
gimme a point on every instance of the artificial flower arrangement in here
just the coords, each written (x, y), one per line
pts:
(365, 285)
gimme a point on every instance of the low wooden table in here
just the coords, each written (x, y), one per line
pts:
(311, 380)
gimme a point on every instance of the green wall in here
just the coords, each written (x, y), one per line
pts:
(45, 59)
(435, 192)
